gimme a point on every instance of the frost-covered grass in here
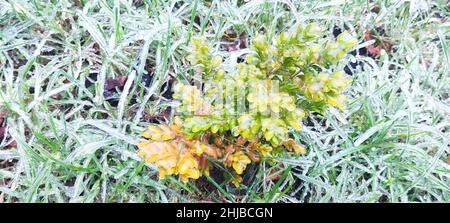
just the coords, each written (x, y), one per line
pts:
(72, 145)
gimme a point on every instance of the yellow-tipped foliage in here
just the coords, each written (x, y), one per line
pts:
(280, 82)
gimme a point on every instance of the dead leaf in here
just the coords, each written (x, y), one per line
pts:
(375, 49)
(235, 43)
(2, 132)
(254, 156)
(155, 118)
(213, 152)
(3, 114)
(13, 144)
(112, 83)
(275, 174)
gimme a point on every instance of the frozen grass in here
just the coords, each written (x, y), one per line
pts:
(391, 145)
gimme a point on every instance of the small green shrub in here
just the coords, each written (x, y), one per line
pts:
(245, 113)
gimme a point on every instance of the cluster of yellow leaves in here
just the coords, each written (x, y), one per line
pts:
(170, 159)
(173, 154)
(326, 87)
(273, 100)
(204, 61)
(192, 100)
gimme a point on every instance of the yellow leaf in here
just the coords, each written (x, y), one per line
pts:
(239, 161)
(293, 146)
(161, 132)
